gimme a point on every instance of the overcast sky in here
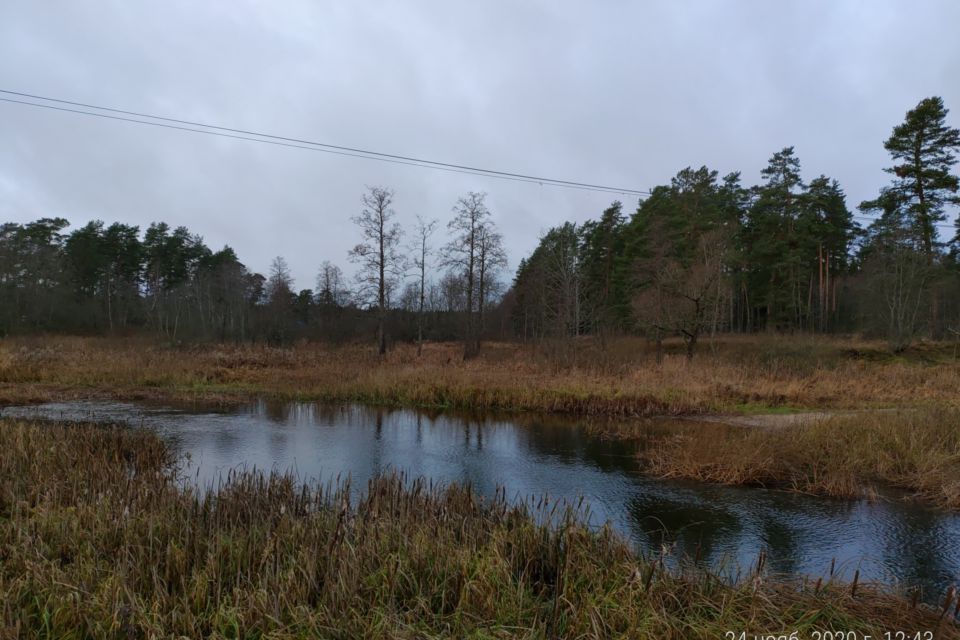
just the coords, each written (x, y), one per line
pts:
(620, 93)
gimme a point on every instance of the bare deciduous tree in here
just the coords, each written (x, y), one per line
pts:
(462, 254)
(490, 259)
(331, 289)
(680, 296)
(451, 293)
(422, 253)
(381, 266)
(279, 293)
(899, 278)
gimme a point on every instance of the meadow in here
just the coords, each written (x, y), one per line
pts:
(734, 375)
(99, 538)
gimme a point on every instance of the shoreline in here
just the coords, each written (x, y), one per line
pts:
(799, 409)
(667, 450)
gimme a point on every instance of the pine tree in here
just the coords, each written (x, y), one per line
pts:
(603, 272)
(828, 230)
(924, 150)
(773, 245)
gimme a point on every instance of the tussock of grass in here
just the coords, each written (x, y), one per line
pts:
(577, 378)
(845, 455)
(98, 539)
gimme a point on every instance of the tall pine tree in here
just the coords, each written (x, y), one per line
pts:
(923, 149)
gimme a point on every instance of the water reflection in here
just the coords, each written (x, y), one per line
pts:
(532, 456)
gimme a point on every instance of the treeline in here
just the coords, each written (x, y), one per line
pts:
(702, 255)
(707, 254)
(103, 278)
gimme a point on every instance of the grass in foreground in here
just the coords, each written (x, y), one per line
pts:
(98, 539)
(757, 373)
(843, 456)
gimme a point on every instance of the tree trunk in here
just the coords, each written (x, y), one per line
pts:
(423, 277)
(382, 295)
(469, 346)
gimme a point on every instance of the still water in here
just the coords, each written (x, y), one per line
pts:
(892, 541)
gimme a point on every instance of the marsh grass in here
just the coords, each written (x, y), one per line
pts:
(759, 373)
(845, 455)
(99, 538)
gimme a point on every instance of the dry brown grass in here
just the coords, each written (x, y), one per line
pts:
(741, 374)
(99, 540)
(843, 456)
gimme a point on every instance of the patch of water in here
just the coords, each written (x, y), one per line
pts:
(894, 542)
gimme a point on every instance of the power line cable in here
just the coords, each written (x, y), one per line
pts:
(310, 145)
(237, 137)
(242, 134)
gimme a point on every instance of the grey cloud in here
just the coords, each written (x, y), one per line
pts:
(612, 92)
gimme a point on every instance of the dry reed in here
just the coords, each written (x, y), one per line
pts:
(845, 455)
(99, 539)
(743, 374)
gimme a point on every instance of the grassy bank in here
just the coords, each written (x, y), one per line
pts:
(845, 455)
(97, 539)
(738, 374)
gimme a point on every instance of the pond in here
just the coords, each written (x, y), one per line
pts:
(893, 541)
